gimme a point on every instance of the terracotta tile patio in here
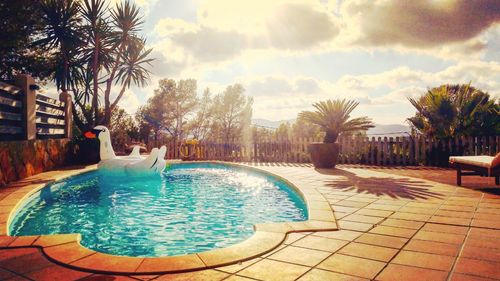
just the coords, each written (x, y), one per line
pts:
(395, 224)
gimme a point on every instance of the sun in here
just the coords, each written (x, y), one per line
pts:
(248, 16)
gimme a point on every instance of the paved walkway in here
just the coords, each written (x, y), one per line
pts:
(393, 227)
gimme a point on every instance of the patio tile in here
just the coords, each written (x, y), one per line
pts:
(383, 207)
(274, 270)
(426, 260)
(392, 202)
(478, 267)
(300, 256)
(340, 215)
(104, 262)
(23, 241)
(56, 273)
(347, 235)
(273, 251)
(320, 243)
(432, 247)
(368, 251)
(410, 216)
(445, 228)
(292, 237)
(67, 253)
(17, 260)
(444, 213)
(238, 266)
(4, 274)
(196, 275)
(352, 266)
(393, 231)
(423, 205)
(348, 203)
(457, 208)
(480, 232)
(481, 253)
(57, 239)
(485, 242)
(374, 213)
(6, 240)
(343, 209)
(382, 240)
(486, 223)
(416, 210)
(361, 218)
(439, 237)
(238, 278)
(356, 226)
(184, 262)
(449, 220)
(396, 272)
(318, 274)
(403, 223)
(464, 277)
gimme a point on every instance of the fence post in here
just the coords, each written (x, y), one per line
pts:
(24, 82)
(68, 117)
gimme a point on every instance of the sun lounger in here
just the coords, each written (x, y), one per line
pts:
(485, 166)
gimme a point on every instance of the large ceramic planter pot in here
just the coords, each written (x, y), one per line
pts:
(324, 155)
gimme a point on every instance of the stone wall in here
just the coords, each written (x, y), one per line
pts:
(21, 159)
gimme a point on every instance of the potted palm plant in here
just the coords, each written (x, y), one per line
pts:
(333, 117)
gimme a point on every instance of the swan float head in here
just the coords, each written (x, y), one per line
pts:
(103, 134)
(133, 164)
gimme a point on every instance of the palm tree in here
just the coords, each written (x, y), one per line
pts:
(62, 37)
(333, 117)
(127, 22)
(133, 70)
(97, 54)
(455, 110)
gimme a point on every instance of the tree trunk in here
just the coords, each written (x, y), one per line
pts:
(95, 70)
(330, 137)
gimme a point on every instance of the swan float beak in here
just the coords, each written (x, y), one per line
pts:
(92, 134)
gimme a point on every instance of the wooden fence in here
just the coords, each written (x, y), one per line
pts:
(387, 151)
(27, 115)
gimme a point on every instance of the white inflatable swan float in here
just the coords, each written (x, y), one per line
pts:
(133, 164)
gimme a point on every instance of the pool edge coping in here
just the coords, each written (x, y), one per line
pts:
(65, 249)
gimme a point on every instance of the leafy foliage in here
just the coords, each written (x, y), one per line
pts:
(455, 110)
(94, 48)
(20, 20)
(333, 117)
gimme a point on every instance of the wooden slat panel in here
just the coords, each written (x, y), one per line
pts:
(11, 116)
(9, 88)
(50, 110)
(49, 121)
(49, 131)
(40, 97)
(41, 114)
(10, 129)
(10, 102)
(48, 104)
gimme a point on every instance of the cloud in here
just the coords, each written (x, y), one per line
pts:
(226, 30)
(129, 102)
(420, 24)
(381, 95)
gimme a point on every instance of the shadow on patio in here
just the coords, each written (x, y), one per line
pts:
(398, 188)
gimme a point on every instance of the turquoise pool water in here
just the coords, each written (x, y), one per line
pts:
(190, 208)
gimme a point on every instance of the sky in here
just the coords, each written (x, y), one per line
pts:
(290, 54)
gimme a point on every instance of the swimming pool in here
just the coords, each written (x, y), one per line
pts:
(190, 208)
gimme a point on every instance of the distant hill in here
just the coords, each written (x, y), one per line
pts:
(393, 130)
(268, 123)
(380, 130)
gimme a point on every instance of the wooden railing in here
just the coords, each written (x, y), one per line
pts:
(395, 151)
(26, 115)
(11, 112)
(50, 121)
